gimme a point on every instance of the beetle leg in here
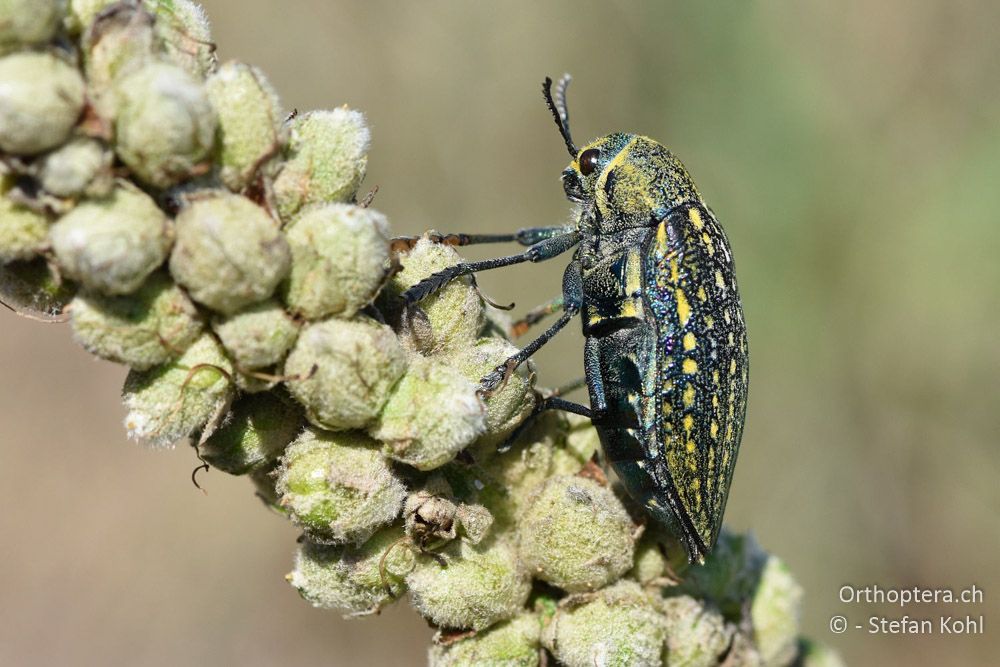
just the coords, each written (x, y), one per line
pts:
(539, 252)
(535, 315)
(550, 403)
(526, 237)
(572, 302)
(502, 373)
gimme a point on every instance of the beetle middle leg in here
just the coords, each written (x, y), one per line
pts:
(572, 302)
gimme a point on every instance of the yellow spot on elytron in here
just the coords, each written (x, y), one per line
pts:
(725, 457)
(696, 484)
(709, 246)
(690, 366)
(709, 321)
(715, 428)
(729, 433)
(628, 309)
(661, 237)
(715, 377)
(695, 216)
(701, 294)
(683, 307)
(688, 423)
(689, 341)
(667, 409)
(715, 399)
(688, 396)
(725, 316)
(719, 280)
(732, 341)
(690, 446)
(732, 367)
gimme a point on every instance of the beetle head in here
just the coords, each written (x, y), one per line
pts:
(630, 180)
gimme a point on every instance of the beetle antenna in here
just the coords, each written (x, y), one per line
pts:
(557, 105)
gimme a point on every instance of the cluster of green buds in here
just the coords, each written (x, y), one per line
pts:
(167, 207)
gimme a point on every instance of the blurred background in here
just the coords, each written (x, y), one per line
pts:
(852, 150)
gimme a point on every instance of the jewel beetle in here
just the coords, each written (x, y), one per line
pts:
(665, 358)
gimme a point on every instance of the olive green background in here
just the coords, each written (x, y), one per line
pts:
(852, 150)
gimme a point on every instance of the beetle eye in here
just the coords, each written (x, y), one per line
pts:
(588, 161)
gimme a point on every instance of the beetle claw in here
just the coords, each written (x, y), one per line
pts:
(495, 381)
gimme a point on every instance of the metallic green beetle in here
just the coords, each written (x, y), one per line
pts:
(665, 357)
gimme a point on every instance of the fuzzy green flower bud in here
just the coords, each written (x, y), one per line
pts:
(23, 231)
(514, 643)
(478, 586)
(696, 635)
(339, 256)
(504, 482)
(183, 29)
(775, 612)
(509, 404)
(259, 336)
(83, 12)
(449, 319)
(78, 167)
(150, 327)
(650, 565)
(338, 487)
(27, 22)
(115, 43)
(229, 252)
(729, 576)
(173, 401)
(41, 99)
(249, 122)
(575, 534)
(617, 626)
(355, 580)
(34, 289)
(111, 245)
(164, 123)
(345, 370)
(325, 160)
(432, 414)
(254, 435)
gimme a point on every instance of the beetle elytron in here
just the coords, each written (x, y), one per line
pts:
(666, 350)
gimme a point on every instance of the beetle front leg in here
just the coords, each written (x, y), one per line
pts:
(526, 236)
(539, 252)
